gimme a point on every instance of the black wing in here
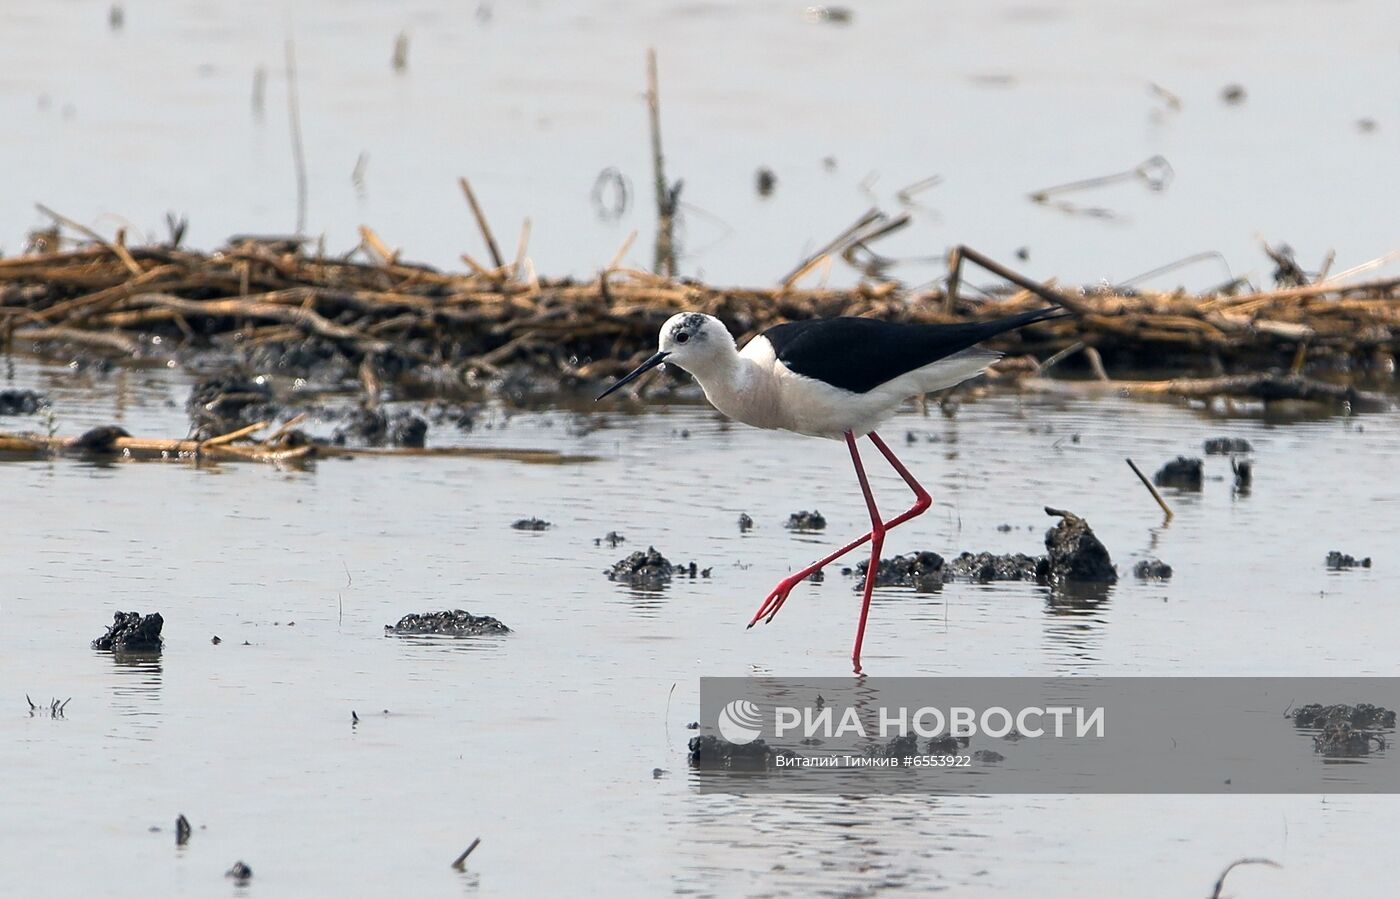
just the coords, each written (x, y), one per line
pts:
(860, 354)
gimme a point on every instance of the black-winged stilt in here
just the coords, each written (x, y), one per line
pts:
(835, 377)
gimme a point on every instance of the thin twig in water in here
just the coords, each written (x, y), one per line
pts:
(1220, 884)
(298, 152)
(1150, 489)
(461, 861)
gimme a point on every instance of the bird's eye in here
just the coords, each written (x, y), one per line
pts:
(682, 337)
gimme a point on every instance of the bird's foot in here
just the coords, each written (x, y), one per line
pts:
(775, 599)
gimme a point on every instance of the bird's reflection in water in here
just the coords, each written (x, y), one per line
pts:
(136, 694)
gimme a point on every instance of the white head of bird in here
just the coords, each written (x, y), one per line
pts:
(694, 342)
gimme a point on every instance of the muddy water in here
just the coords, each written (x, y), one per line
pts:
(544, 743)
(533, 100)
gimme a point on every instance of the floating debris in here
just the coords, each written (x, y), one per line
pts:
(611, 538)
(1182, 473)
(1232, 94)
(745, 522)
(764, 182)
(534, 524)
(832, 15)
(54, 709)
(806, 521)
(1220, 446)
(182, 830)
(240, 873)
(1152, 569)
(455, 623)
(1336, 561)
(132, 632)
(988, 756)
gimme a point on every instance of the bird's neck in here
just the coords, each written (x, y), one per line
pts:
(723, 371)
(731, 384)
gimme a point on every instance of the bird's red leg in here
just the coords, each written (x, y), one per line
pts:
(877, 541)
(922, 501)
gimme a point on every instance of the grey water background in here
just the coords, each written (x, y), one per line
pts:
(544, 744)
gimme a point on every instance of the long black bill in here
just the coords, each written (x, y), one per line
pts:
(636, 373)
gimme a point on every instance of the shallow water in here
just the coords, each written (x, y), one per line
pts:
(533, 100)
(543, 743)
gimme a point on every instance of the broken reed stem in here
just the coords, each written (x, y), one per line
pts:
(461, 861)
(836, 244)
(298, 152)
(962, 253)
(520, 249)
(233, 435)
(481, 224)
(1150, 488)
(665, 261)
(116, 249)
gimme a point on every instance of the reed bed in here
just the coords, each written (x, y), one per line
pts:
(161, 301)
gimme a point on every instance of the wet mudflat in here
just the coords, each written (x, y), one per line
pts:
(544, 741)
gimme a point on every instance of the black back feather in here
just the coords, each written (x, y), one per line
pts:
(860, 354)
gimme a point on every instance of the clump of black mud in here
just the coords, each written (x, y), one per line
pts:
(1336, 561)
(1182, 473)
(1224, 446)
(21, 402)
(226, 403)
(132, 632)
(455, 623)
(1152, 569)
(1345, 731)
(711, 752)
(374, 427)
(651, 571)
(101, 440)
(1363, 714)
(1074, 553)
(924, 571)
(806, 521)
(984, 568)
